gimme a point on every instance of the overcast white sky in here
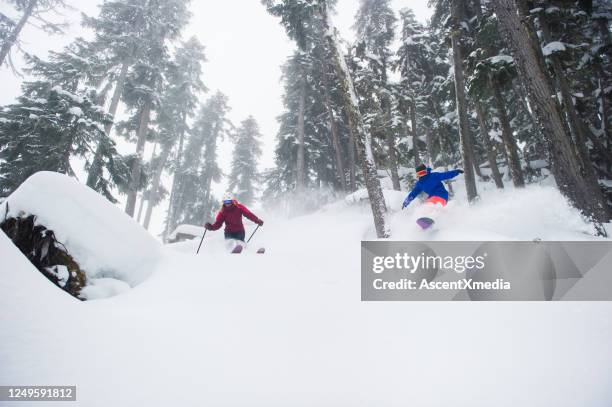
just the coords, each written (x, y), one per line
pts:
(245, 47)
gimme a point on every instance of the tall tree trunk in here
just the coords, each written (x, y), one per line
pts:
(585, 194)
(352, 161)
(363, 139)
(433, 106)
(142, 196)
(392, 151)
(603, 24)
(120, 83)
(14, 35)
(491, 156)
(170, 221)
(429, 141)
(135, 174)
(300, 164)
(140, 207)
(464, 126)
(208, 167)
(334, 131)
(155, 183)
(413, 133)
(605, 124)
(524, 11)
(209, 175)
(96, 166)
(478, 9)
(575, 125)
(514, 162)
(390, 136)
(519, 89)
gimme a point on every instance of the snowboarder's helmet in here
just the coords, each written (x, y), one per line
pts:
(421, 170)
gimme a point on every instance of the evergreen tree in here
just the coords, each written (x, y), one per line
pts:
(46, 128)
(133, 36)
(244, 175)
(324, 135)
(427, 87)
(195, 203)
(493, 71)
(580, 188)
(178, 104)
(375, 26)
(161, 22)
(465, 135)
(37, 10)
(296, 17)
(315, 78)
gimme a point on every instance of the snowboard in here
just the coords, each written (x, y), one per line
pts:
(425, 223)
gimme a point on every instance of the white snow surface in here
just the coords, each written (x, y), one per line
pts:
(76, 111)
(552, 47)
(287, 328)
(498, 59)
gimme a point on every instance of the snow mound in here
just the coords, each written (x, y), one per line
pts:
(103, 240)
(103, 288)
(186, 231)
(553, 47)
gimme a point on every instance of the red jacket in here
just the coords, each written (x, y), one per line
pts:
(232, 216)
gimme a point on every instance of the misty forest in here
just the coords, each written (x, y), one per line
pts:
(511, 91)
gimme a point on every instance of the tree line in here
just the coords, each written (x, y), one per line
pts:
(510, 90)
(135, 67)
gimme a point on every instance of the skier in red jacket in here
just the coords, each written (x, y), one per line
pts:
(231, 214)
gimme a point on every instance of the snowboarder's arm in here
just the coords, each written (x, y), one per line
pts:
(218, 221)
(448, 174)
(250, 215)
(413, 194)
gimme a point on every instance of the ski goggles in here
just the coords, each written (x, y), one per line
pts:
(421, 173)
(228, 202)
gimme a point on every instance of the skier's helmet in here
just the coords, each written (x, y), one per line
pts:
(421, 170)
(227, 199)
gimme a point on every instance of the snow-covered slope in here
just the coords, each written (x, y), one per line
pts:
(288, 328)
(533, 212)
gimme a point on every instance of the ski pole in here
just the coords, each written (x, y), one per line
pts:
(253, 233)
(205, 230)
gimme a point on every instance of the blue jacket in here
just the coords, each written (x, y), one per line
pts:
(431, 184)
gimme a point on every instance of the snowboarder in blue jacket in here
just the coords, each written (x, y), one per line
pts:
(431, 183)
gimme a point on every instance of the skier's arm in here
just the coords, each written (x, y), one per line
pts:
(218, 221)
(448, 174)
(250, 215)
(413, 194)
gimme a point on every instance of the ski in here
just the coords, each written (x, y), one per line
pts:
(237, 249)
(261, 250)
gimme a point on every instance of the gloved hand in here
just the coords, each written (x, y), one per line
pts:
(260, 223)
(406, 203)
(208, 226)
(459, 171)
